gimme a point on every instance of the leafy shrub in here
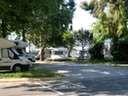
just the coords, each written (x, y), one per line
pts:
(119, 50)
(96, 51)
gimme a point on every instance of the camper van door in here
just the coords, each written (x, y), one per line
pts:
(5, 60)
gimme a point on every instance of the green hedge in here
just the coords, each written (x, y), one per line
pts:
(96, 51)
(119, 51)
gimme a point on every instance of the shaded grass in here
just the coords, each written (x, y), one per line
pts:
(34, 72)
(96, 61)
(29, 74)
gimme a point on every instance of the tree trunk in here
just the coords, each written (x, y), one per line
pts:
(82, 53)
(3, 27)
(42, 52)
(23, 34)
(69, 51)
(42, 46)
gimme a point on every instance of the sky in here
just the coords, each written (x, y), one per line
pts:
(82, 18)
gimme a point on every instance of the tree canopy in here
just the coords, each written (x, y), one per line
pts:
(111, 17)
(32, 18)
(84, 38)
(42, 22)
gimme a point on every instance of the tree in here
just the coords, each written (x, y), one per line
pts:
(96, 51)
(4, 17)
(111, 22)
(51, 21)
(41, 21)
(111, 17)
(41, 27)
(15, 16)
(61, 22)
(68, 41)
(21, 12)
(119, 51)
(84, 37)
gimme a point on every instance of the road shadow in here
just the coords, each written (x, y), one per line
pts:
(74, 71)
(82, 80)
(105, 86)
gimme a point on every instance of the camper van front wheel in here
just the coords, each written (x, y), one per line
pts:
(17, 68)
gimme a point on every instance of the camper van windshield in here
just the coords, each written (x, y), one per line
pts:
(16, 52)
(21, 51)
(58, 52)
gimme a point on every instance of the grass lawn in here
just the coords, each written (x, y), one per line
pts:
(119, 64)
(33, 72)
(96, 61)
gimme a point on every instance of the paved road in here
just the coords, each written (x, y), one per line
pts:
(79, 80)
(73, 71)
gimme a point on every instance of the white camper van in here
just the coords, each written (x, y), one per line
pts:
(20, 47)
(10, 59)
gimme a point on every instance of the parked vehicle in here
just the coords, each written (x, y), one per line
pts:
(86, 54)
(107, 49)
(54, 54)
(20, 47)
(59, 54)
(76, 53)
(10, 59)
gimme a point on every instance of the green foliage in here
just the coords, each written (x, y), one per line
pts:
(36, 19)
(28, 74)
(111, 17)
(15, 14)
(96, 51)
(119, 50)
(51, 21)
(98, 61)
(83, 36)
(68, 39)
(34, 72)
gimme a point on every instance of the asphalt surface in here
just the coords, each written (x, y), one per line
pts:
(90, 79)
(79, 80)
(73, 71)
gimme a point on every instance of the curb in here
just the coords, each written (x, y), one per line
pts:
(4, 80)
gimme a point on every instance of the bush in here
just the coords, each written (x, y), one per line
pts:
(119, 51)
(96, 51)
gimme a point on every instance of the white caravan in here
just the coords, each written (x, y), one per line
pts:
(20, 47)
(10, 59)
(76, 52)
(55, 54)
